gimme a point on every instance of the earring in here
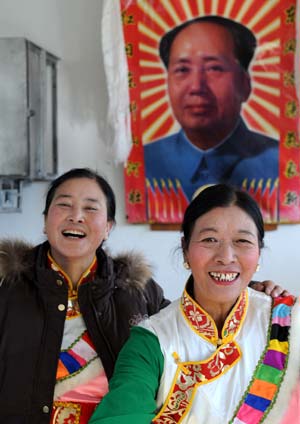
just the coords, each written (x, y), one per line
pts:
(186, 265)
(257, 268)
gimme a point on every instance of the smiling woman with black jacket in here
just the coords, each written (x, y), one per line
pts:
(66, 307)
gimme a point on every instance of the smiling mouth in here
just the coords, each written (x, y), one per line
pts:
(74, 234)
(224, 277)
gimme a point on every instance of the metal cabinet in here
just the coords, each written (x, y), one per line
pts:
(28, 114)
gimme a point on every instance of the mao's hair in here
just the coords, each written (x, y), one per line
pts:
(244, 40)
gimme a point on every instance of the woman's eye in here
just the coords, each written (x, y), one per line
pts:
(244, 241)
(209, 240)
(64, 205)
(90, 208)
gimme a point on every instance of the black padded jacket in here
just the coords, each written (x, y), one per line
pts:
(33, 303)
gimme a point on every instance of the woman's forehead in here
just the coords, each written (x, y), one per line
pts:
(225, 219)
(83, 187)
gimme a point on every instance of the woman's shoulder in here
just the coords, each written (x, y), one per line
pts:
(131, 270)
(258, 296)
(163, 318)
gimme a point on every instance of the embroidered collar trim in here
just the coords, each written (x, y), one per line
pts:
(203, 324)
(86, 275)
(73, 309)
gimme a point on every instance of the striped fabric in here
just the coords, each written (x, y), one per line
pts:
(73, 360)
(80, 379)
(270, 371)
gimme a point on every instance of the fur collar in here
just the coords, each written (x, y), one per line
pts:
(14, 259)
(17, 258)
(133, 270)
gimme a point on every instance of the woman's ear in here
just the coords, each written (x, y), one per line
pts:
(44, 228)
(109, 226)
(183, 244)
(183, 247)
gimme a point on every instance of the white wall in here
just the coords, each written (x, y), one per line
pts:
(70, 29)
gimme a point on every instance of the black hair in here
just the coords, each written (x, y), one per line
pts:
(221, 195)
(244, 40)
(84, 173)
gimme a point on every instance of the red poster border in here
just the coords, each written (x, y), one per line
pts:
(136, 188)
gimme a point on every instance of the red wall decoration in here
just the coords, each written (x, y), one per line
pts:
(271, 109)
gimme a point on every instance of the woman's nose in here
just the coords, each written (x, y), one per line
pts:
(76, 215)
(226, 253)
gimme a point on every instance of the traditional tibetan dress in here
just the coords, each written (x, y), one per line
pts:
(80, 380)
(245, 375)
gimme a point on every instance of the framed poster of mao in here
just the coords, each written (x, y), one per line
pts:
(213, 98)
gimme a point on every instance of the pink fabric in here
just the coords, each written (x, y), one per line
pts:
(292, 416)
(78, 358)
(283, 321)
(249, 415)
(91, 392)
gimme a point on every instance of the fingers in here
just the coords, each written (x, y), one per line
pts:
(279, 291)
(271, 289)
(258, 286)
(274, 290)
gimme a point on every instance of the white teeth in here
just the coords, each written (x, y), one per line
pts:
(74, 233)
(221, 276)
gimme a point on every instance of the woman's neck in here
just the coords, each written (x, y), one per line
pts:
(218, 314)
(218, 311)
(74, 272)
(74, 268)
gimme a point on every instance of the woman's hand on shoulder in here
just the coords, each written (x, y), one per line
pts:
(270, 288)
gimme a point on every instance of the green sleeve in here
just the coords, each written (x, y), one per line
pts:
(133, 387)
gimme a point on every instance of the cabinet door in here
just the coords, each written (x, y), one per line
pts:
(14, 143)
(42, 107)
(36, 93)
